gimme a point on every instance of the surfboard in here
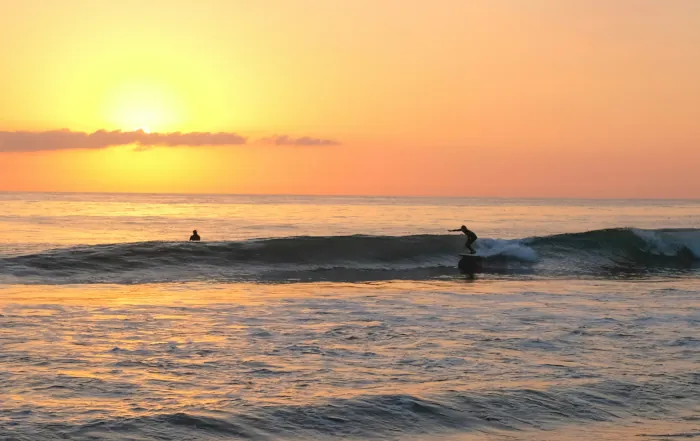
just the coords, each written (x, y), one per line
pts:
(470, 255)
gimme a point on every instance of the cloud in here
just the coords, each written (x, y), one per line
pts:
(67, 139)
(302, 141)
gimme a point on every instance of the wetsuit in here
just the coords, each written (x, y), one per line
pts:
(471, 238)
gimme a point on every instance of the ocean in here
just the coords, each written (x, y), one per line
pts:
(300, 317)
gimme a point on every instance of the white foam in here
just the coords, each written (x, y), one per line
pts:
(669, 243)
(510, 248)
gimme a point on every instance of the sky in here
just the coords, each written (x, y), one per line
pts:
(509, 98)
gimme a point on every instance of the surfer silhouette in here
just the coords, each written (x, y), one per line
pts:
(195, 237)
(471, 237)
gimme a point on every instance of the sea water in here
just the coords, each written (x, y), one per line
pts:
(347, 317)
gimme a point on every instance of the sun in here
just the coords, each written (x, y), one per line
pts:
(143, 106)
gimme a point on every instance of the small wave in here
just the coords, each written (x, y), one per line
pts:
(389, 415)
(601, 252)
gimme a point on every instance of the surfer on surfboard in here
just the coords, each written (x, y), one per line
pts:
(471, 238)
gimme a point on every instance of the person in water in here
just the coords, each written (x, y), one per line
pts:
(195, 236)
(471, 237)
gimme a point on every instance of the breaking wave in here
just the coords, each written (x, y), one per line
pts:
(593, 253)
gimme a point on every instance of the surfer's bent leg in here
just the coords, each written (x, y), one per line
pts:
(469, 246)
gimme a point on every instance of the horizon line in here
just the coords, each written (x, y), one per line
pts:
(320, 195)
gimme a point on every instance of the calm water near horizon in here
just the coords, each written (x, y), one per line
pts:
(301, 317)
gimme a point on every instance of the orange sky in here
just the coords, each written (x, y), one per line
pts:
(580, 98)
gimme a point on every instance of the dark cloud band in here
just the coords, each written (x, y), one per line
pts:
(304, 140)
(25, 141)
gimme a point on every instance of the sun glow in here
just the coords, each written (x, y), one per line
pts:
(143, 106)
(150, 167)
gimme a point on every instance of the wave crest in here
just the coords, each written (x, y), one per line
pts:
(353, 257)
